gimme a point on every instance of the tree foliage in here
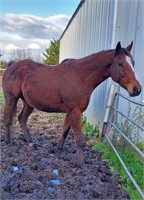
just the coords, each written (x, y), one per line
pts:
(2, 64)
(52, 53)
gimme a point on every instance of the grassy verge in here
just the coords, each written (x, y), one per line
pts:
(133, 161)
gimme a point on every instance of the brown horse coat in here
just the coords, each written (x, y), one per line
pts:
(66, 87)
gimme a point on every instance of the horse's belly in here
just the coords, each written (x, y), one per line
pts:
(49, 108)
(44, 103)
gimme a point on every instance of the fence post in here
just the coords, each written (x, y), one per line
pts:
(109, 103)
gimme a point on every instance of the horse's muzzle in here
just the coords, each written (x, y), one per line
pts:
(136, 92)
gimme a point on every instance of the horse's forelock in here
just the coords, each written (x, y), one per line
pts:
(124, 51)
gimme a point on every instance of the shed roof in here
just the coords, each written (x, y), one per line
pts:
(73, 16)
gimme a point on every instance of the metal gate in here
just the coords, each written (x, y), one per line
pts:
(110, 124)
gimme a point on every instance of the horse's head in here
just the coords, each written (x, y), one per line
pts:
(122, 70)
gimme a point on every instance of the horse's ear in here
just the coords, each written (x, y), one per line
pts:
(118, 48)
(129, 47)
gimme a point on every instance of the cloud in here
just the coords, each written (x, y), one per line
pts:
(11, 47)
(33, 46)
(23, 30)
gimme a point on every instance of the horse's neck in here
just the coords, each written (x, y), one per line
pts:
(96, 68)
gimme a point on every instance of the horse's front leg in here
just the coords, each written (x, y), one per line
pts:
(66, 128)
(75, 122)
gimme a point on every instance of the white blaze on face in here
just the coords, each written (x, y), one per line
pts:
(128, 60)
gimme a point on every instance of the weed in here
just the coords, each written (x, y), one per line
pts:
(89, 129)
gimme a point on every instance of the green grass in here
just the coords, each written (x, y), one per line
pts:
(133, 162)
(2, 100)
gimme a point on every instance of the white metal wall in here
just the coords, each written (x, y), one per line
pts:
(98, 25)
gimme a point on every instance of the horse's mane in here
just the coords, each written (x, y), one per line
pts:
(65, 60)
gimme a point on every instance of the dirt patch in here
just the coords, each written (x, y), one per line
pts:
(42, 173)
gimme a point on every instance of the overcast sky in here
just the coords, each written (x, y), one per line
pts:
(33, 23)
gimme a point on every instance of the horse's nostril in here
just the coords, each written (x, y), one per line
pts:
(136, 91)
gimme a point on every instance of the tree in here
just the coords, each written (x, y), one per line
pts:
(52, 53)
(20, 54)
(3, 64)
(25, 53)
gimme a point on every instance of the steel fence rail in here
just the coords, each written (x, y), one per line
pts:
(129, 99)
(124, 166)
(136, 124)
(128, 140)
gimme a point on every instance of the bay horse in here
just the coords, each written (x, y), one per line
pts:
(66, 87)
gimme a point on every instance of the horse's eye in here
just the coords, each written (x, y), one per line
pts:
(120, 64)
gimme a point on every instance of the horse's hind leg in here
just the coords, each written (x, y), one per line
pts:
(75, 122)
(9, 111)
(65, 132)
(26, 111)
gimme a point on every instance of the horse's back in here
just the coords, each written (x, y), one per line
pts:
(27, 76)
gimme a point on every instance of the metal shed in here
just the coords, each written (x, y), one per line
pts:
(98, 25)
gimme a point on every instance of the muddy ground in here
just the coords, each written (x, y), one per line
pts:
(42, 173)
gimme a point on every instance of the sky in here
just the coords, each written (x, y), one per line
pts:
(31, 24)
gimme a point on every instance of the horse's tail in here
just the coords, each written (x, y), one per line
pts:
(8, 93)
(10, 63)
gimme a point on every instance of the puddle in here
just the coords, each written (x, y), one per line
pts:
(56, 182)
(58, 172)
(14, 168)
(50, 189)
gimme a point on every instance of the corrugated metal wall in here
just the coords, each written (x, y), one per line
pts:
(98, 25)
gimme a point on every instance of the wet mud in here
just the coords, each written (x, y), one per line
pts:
(38, 171)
